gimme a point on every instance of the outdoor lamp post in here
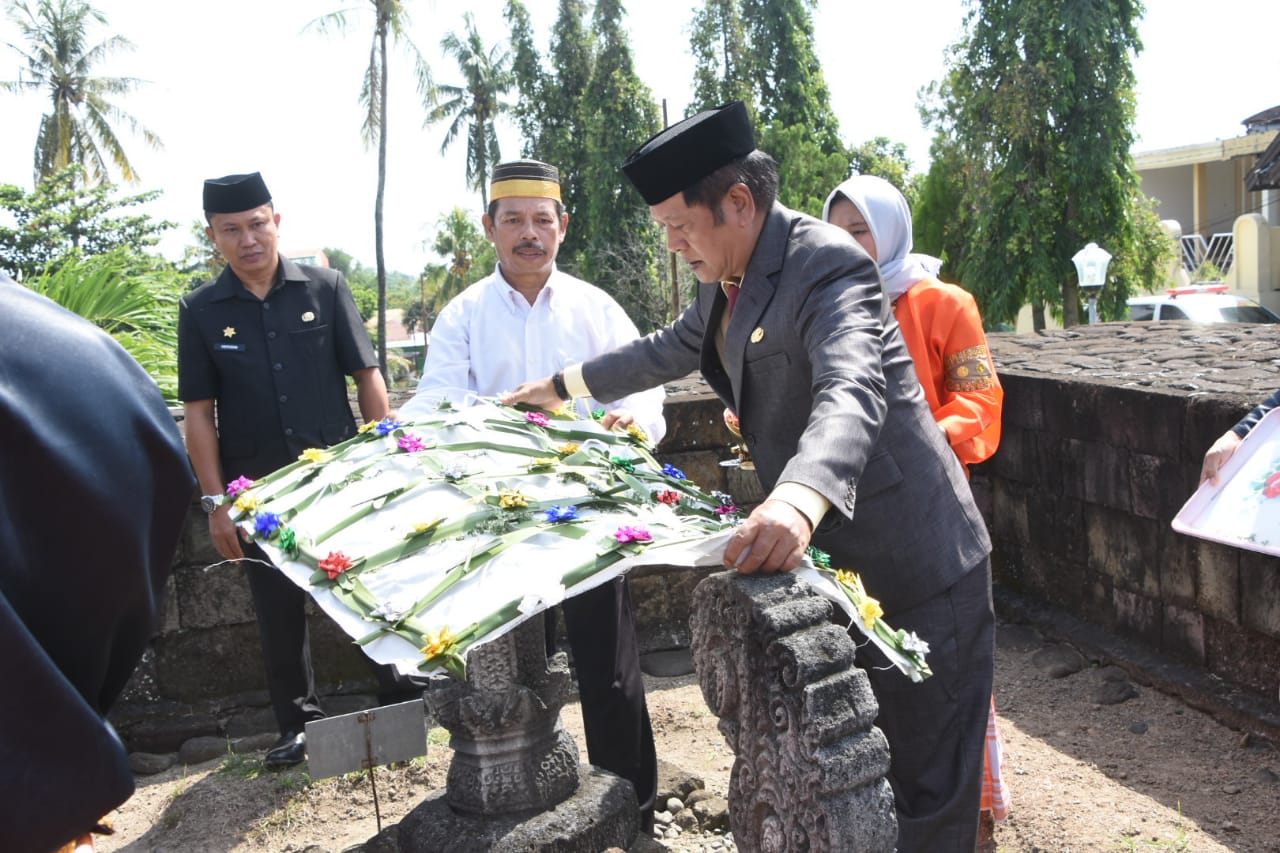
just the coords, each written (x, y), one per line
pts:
(1091, 273)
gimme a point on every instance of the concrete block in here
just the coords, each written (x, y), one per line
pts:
(1218, 581)
(1143, 420)
(661, 598)
(193, 665)
(1260, 593)
(1120, 547)
(218, 596)
(1158, 486)
(1183, 634)
(1023, 407)
(1177, 563)
(1138, 615)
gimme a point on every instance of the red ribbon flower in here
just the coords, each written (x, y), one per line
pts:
(335, 564)
(668, 497)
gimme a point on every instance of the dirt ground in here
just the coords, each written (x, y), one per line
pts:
(1146, 774)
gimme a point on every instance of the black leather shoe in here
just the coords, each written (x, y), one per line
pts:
(288, 751)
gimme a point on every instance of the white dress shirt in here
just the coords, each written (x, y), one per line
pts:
(489, 339)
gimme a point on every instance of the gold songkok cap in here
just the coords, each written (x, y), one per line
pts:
(525, 179)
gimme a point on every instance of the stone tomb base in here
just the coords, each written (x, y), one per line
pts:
(601, 814)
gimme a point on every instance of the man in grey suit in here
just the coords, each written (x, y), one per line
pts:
(810, 358)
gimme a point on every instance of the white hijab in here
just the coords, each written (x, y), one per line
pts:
(889, 218)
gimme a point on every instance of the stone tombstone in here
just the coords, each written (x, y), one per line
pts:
(514, 784)
(809, 768)
(511, 753)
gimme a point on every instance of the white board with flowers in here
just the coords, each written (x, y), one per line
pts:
(423, 539)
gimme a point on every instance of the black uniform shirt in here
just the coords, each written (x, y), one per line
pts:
(275, 367)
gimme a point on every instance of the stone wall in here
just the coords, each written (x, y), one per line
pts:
(1104, 430)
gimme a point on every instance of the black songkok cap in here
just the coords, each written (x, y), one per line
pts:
(679, 156)
(525, 179)
(235, 193)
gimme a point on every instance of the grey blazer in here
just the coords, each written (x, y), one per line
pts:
(821, 379)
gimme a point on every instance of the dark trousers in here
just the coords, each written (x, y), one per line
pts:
(286, 649)
(286, 642)
(615, 716)
(937, 729)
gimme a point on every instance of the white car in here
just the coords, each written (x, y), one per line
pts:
(1200, 304)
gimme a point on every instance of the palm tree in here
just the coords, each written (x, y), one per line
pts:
(391, 21)
(58, 61)
(476, 104)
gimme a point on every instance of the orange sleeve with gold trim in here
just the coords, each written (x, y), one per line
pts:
(943, 331)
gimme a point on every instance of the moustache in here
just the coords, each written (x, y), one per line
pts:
(530, 244)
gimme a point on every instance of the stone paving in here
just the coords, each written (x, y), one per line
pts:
(1226, 358)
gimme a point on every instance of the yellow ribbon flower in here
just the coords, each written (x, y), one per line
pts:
(869, 607)
(366, 426)
(511, 499)
(314, 455)
(638, 434)
(439, 643)
(246, 502)
(568, 448)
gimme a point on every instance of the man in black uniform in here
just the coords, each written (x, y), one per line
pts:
(268, 345)
(94, 488)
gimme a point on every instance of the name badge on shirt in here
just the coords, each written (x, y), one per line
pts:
(230, 347)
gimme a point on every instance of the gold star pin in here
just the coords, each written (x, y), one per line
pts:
(308, 316)
(229, 332)
(757, 336)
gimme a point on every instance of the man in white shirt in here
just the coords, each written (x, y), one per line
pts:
(527, 320)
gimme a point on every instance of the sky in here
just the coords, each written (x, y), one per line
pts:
(237, 86)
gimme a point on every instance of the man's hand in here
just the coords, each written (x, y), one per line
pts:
(224, 533)
(540, 393)
(619, 418)
(1218, 455)
(772, 539)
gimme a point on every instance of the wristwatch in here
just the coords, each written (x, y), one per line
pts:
(209, 503)
(557, 383)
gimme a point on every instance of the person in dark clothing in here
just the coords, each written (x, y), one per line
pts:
(94, 488)
(263, 355)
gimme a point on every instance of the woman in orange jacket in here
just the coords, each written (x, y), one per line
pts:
(943, 332)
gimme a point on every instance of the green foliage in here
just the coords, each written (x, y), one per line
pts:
(785, 73)
(717, 41)
(62, 217)
(806, 175)
(936, 215)
(550, 111)
(475, 105)
(131, 297)
(1040, 102)
(60, 63)
(585, 117)
(886, 159)
(617, 112)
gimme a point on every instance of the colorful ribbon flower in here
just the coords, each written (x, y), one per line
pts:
(668, 497)
(511, 499)
(558, 514)
(386, 426)
(537, 419)
(673, 472)
(266, 524)
(314, 455)
(410, 443)
(335, 564)
(628, 533)
(238, 485)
